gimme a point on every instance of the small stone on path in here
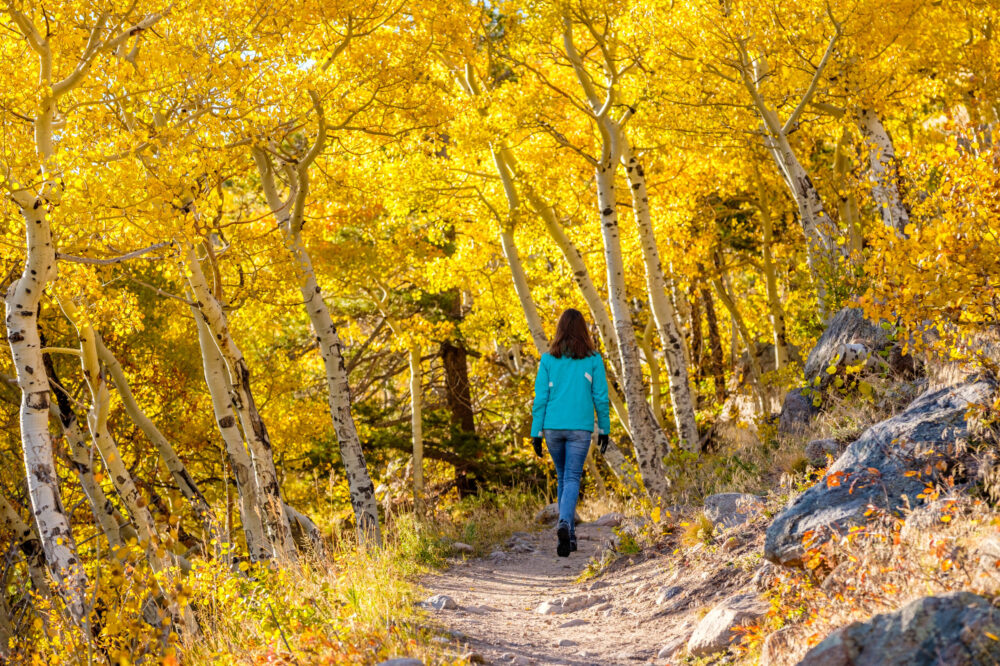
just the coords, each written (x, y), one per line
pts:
(573, 623)
(459, 547)
(401, 661)
(440, 602)
(667, 593)
(565, 642)
(613, 519)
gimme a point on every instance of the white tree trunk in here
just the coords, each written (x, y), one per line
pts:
(175, 467)
(217, 379)
(417, 425)
(279, 530)
(884, 171)
(22, 305)
(663, 309)
(28, 543)
(647, 438)
(655, 386)
(777, 313)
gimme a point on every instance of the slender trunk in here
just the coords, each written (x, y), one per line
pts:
(647, 439)
(26, 540)
(740, 328)
(217, 379)
(663, 310)
(714, 344)
(209, 307)
(884, 171)
(777, 313)
(417, 425)
(81, 456)
(847, 203)
(22, 305)
(696, 336)
(175, 467)
(309, 535)
(646, 343)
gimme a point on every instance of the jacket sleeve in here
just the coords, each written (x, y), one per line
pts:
(600, 391)
(541, 399)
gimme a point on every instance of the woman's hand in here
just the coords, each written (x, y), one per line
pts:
(536, 442)
(602, 441)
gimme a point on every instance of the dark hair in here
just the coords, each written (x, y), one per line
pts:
(572, 337)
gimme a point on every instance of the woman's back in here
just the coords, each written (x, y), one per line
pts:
(568, 391)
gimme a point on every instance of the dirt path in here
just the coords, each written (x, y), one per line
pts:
(614, 619)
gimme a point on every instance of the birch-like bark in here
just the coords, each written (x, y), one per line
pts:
(290, 218)
(847, 202)
(664, 314)
(417, 425)
(743, 333)
(646, 343)
(175, 467)
(27, 541)
(272, 504)
(22, 305)
(217, 379)
(884, 171)
(714, 345)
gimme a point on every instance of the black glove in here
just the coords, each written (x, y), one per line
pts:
(536, 442)
(602, 441)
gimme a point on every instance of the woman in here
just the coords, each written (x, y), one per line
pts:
(570, 386)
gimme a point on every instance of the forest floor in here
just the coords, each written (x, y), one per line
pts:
(643, 604)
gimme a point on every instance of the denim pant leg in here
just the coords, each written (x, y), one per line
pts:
(555, 441)
(577, 447)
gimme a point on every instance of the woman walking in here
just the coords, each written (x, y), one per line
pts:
(570, 387)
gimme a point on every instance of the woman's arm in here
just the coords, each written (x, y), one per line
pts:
(600, 391)
(541, 399)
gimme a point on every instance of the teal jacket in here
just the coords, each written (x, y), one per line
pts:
(567, 392)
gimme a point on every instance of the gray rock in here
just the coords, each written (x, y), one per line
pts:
(401, 661)
(440, 602)
(598, 584)
(986, 558)
(464, 548)
(797, 411)
(573, 623)
(497, 556)
(522, 547)
(764, 576)
(613, 519)
(550, 514)
(566, 642)
(671, 648)
(668, 593)
(715, 631)
(949, 630)
(890, 448)
(848, 327)
(818, 449)
(732, 509)
(570, 604)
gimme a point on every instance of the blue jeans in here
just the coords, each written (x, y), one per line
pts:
(568, 449)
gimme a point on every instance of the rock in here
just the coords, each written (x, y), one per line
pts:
(602, 607)
(871, 471)
(550, 514)
(986, 559)
(480, 610)
(497, 556)
(775, 646)
(949, 630)
(522, 547)
(598, 584)
(440, 602)
(668, 593)
(847, 328)
(613, 519)
(507, 656)
(521, 660)
(732, 509)
(459, 547)
(401, 661)
(566, 642)
(570, 604)
(671, 648)
(715, 631)
(577, 622)
(642, 588)
(924, 519)
(818, 449)
(797, 411)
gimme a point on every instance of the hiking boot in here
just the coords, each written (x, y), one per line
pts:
(563, 547)
(572, 542)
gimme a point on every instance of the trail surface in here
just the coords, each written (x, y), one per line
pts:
(610, 620)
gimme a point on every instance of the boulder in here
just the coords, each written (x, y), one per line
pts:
(613, 519)
(401, 661)
(797, 411)
(872, 471)
(986, 565)
(818, 449)
(671, 648)
(949, 630)
(715, 631)
(732, 509)
(550, 514)
(849, 335)
(440, 602)
(462, 548)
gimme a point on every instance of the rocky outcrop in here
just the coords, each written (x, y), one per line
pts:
(872, 471)
(848, 335)
(732, 509)
(715, 631)
(950, 630)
